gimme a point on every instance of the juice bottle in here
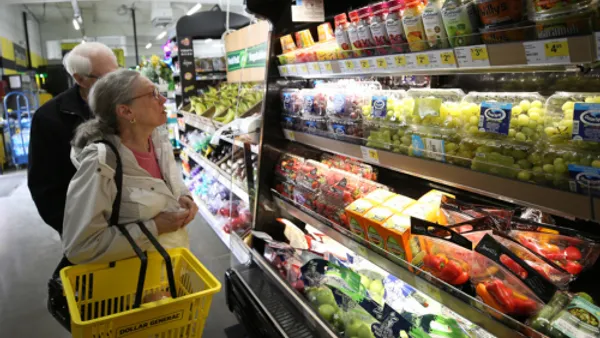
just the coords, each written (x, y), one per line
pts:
(412, 20)
(365, 15)
(461, 22)
(341, 34)
(355, 41)
(434, 25)
(394, 26)
(378, 27)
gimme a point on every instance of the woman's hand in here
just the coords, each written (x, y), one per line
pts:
(170, 221)
(188, 203)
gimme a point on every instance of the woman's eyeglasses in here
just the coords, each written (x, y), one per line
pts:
(155, 93)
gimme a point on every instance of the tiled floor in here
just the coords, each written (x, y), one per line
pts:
(30, 250)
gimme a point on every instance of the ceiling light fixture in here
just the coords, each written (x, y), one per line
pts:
(76, 24)
(161, 35)
(148, 45)
(208, 41)
(194, 9)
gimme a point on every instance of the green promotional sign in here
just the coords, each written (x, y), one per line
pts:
(252, 57)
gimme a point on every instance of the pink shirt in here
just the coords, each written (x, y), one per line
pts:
(148, 161)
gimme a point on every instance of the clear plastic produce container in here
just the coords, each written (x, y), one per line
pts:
(386, 105)
(573, 119)
(388, 135)
(566, 168)
(497, 157)
(292, 101)
(434, 107)
(291, 122)
(347, 103)
(314, 102)
(517, 117)
(346, 130)
(313, 125)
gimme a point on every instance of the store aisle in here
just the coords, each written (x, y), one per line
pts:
(30, 250)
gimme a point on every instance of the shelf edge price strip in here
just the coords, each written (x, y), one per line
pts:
(554, 51)
(326, 67)
(447, 59)
(348, 66)
(283, 70)
(313, 68)
(472, 56)
(369, 154)
(303, 69)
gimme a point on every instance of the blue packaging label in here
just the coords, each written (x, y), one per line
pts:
(586, 122)
(339, 104)
(288, 121)
(339, 129)
(428, 147)
(287, 102)
(311, 126)
(309, 106)
(495, 117)
(585, 180)
(379, 104)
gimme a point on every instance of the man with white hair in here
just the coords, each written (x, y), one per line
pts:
(50, 168)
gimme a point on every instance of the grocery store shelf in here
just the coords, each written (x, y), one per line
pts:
(212, 221)
(224, 180)
(441, 292)
(555, 201)
(193, 121)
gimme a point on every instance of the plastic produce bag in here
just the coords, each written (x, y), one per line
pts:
(448, 255)
(500, 288)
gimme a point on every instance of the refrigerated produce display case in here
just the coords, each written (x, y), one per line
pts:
(432, 174)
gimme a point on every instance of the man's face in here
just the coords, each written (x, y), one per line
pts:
(101, 65)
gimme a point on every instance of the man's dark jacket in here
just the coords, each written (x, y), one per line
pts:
(50, 168)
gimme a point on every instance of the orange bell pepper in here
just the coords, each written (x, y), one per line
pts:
(482, 292)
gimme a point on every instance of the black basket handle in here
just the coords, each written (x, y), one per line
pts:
(114, 221)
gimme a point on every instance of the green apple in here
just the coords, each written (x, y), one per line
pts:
(327, 311)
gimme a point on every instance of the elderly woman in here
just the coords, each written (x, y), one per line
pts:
(128, 109)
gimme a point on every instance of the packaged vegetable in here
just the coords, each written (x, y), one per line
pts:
(500, 12)
(579, 318)
(515, 294)
(571, 23)
(570, 253)
(546, 269)
(541, 321)
(499, 218)
(447, 256)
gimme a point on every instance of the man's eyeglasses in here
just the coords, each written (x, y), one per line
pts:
(155, 93)
(91, 76)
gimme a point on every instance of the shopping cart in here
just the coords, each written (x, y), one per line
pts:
(105, 300)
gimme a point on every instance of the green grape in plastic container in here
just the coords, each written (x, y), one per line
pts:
(573, 119)
(434, 107)
(510, 116)
(498, 157)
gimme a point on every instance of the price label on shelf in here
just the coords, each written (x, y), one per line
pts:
(555, 51)
(370, 155)
(348, 66)
(292, 70)
(283, 70)
(367, 65)
(326, 67)
(400, 61)
(447, 58)
(289, 134)
(381, 63)
(303, 69)
(313, 68)
(472, 56)
(422, 60)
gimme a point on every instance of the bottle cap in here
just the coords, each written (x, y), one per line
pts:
(365, 12)
(354, 16)
(340, 19)
(395, 5)
(380, 8)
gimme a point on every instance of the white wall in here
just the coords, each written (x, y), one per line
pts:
(11, 27)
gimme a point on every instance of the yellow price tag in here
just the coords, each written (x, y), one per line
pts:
(284, 70)
(328, 66)
(447, 58)
(290, 135)
(479, 53)
(400, 60)
(364, 64)
(422, 59)
(304, 69)
(349, 64)
(373, 154)
(556, 48)
(381, 63)
(293, 69)
(316, 67)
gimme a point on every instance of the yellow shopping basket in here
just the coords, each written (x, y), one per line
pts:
(105, 300)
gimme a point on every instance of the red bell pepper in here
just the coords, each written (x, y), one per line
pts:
(524, 306)
(434, 262)
(513, 266)
(461, 279)
(501, 294)
(572, 267)
(572, 253)
(450, 271)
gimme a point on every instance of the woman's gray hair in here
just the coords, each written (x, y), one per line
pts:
(110, 91)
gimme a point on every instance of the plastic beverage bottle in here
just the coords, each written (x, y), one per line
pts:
(434, 25)
(461, 22)
(352, 31)
(341, 34)
(378, 26)
(365, 15)
(394, 26)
